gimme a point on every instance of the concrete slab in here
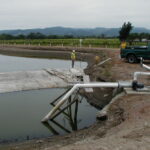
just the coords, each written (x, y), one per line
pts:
(86, 79)
(39, 79)
(140, 91)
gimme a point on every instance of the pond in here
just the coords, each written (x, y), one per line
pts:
(13, 63)
(21, 112)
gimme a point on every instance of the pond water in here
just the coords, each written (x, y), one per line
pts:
(13, 63)
(21, 112)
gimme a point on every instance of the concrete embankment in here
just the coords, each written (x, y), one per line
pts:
(39, 79)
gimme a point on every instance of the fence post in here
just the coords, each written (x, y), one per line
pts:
(80, 42)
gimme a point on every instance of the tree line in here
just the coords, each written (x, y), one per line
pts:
(139, 36)
(43, 36)
(124, 35)
(33, 36)
(131, 36)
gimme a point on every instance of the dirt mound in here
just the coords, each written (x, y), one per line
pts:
(127, 127)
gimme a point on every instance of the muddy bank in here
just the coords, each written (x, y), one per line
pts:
(127, 127)
(52, 52)
(40, 53)
(58, 48)
(83, 54)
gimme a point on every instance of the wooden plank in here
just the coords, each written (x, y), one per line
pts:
(63, 109)
(52, 103)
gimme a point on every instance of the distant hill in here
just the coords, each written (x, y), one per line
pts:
(108, 32)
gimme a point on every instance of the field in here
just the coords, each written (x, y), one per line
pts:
(66, 42)
(108, 43)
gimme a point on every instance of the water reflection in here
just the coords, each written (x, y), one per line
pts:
(70, 113)
(21, 114)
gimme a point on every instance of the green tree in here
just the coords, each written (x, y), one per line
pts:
(20, 36)
(125, 31)
(6, 37)
(37, 35)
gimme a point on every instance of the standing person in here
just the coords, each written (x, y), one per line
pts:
(73, 57)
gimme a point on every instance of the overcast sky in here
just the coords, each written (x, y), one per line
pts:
(23, 14)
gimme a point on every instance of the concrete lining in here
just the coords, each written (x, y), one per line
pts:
(38, 79)
(139, 92)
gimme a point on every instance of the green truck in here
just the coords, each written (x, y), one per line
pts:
(133, 53)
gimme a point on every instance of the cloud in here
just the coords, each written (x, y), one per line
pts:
(71, 13)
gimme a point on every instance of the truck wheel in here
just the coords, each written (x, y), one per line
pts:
(131, 58)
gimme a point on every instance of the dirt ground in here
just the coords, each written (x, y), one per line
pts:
(127, 126)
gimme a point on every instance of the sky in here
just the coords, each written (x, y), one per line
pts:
(26, 14)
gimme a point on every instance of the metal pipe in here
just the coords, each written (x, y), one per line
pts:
(145, 66)
(136, 74)
(87, 85)
(103, 62)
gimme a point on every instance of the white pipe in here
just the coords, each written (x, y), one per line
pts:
(145, 66)
(136, 74)
(88, 85)
(103, 62)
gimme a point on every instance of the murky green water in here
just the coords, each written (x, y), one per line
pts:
(21, 112)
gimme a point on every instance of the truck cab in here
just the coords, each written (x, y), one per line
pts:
(133, 53)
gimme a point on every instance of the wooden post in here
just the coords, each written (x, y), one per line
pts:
(60, 126)
(62, 110)
(46, 124)
(60, 95)
(75, 116)
(70, 113)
